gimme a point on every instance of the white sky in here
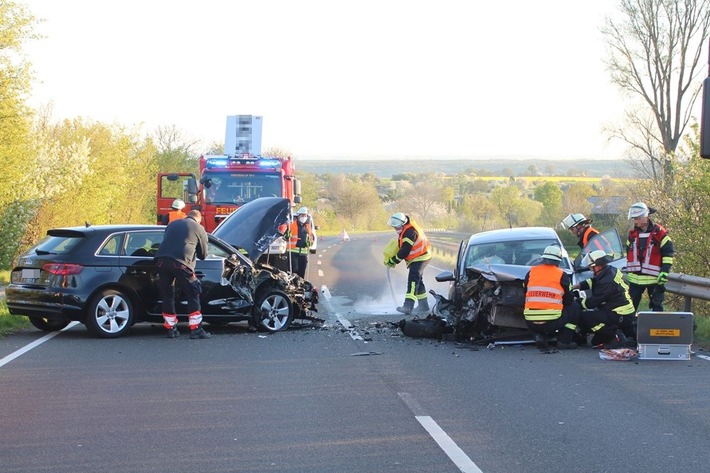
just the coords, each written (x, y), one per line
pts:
(339, 78)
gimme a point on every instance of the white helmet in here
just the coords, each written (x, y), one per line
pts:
(639, 209)
(178, 204)
(596, 257)
(302, 211)
(553, 253)
(397, 220)
(572, 220)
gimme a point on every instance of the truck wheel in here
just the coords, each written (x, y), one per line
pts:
(48, 325)
(273, 311)
(110, 314)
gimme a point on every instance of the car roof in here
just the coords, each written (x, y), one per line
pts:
(513, 234)
(102, 229)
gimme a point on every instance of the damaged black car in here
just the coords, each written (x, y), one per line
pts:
(104, 276)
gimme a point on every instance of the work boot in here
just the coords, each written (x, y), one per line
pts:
(173, 332)
(541, 341)
(423, 306)
(407, 307)
(199, 333)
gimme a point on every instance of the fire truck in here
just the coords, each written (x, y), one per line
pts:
(225, 182)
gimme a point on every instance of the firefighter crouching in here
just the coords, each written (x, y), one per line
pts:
(415, 250)
(549, 301)
(608, 312)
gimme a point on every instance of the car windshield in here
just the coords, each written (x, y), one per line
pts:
(518, 252)
(239, 188)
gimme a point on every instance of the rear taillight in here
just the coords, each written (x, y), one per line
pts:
(62, 269)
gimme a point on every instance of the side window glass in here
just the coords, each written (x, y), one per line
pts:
(142, 244)
(215, 251)
(112, 245)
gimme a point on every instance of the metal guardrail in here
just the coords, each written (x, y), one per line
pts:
(689, 287)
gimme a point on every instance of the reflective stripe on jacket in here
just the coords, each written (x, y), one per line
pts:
(543, 298)
(648, 251)
(300, 237)
(421, 247)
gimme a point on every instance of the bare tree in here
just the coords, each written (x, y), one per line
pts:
(654, 55)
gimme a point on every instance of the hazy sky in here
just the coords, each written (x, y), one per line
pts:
(337, 78)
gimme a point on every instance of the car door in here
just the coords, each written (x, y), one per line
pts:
(610, 242)
(140, 272)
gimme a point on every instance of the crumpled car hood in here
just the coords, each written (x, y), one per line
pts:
(499, 272)
(255, 225)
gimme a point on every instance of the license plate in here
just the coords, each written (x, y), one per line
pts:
(30, 274)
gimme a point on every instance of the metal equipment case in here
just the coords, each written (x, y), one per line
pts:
(664, 335)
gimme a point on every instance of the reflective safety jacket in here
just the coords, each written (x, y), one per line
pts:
(547, 290)
(609, 290)
(649, 252)
(413, 244)
(176, 215)
(300, 237)
(588, 233)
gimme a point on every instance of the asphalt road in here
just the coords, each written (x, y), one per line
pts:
(365, 399)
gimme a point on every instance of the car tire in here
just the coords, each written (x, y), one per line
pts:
(110, 314)
(273, 311)
(48, 325)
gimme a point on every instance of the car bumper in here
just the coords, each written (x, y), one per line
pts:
(47, 303)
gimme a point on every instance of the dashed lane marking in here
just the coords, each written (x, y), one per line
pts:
(453, 451)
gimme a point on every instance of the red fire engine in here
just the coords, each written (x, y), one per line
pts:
(225, 183)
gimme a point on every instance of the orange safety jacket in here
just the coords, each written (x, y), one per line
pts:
(420, 247)
(176, 215)
(294, 238)
(543, 299)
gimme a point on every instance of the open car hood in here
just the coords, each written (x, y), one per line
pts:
(255, 225)
(499, 272)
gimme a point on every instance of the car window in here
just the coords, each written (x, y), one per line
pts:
(518, 253)
(143, 243)
(216, 251)
(112, 246)
(58, 244)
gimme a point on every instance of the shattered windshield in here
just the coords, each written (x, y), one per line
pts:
(232, 188)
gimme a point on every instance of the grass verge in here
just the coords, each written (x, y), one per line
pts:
(11, 323)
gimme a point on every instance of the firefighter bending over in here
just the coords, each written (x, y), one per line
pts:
(549, 301)
(415, 250)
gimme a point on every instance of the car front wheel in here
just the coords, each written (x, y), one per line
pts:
(48, 325)
(273, 311)
(110, 314)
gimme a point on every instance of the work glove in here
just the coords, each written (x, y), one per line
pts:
(662, 278)
(390, 262)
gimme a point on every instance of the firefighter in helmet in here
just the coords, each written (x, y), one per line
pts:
(175, 212)
(581, 227)
(300, 238)
(549, 301)
(608, 312)
(414, 248)
(650, 257)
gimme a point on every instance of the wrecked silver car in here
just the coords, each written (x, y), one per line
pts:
(486, 295)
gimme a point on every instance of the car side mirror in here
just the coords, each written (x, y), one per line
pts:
(445, 276)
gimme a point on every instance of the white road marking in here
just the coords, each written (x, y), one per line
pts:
(453, 451)
(320, 272)
(32, 345)
(704, 357)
